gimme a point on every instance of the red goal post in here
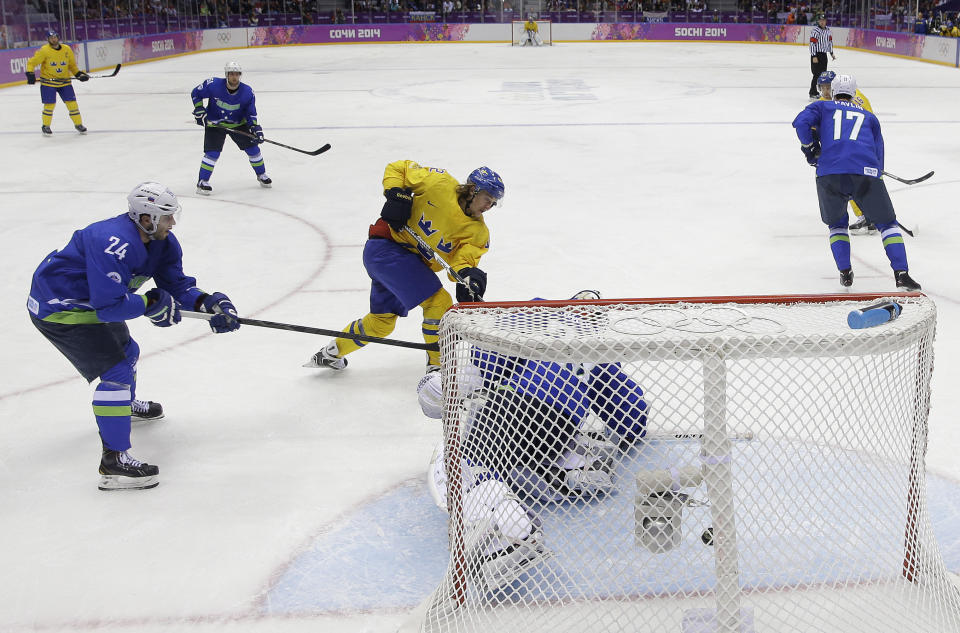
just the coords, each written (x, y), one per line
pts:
(544, 29)
(775, 474)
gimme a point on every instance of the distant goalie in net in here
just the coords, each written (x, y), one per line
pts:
(541, 431)
(531, 33)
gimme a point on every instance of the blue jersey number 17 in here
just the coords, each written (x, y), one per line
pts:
(838, 124)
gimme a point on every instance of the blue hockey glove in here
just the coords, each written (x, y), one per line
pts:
(223, 311)
(162, 309)
(476, 284)
(31, 78)
(82, 76)
(257, 131)
(811, 151)
(396, 210)
(200, 114)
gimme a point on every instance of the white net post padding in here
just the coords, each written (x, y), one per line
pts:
(704, 465)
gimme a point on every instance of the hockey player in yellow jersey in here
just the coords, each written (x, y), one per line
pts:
(446, 215)
(57, 67)
(531, 33)
(824, 83)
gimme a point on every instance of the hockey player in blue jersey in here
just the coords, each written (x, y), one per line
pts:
(82, 295)
(847, 151)
(231, 104)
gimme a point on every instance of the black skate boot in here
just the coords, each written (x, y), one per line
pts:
(862, 225)
(46, 130)
(204, 188)
(120, 471)
(145, 411)
(846, 277)
(265, 181)
(81, 128)
(905, 281)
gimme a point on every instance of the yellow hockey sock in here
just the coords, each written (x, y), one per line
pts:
(48, 113)
(433, 309)
(380, 325)
(74, 110)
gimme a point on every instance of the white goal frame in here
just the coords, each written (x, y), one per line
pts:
(545, 29)
(454, 606)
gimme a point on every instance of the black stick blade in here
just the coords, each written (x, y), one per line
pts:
(321, 150)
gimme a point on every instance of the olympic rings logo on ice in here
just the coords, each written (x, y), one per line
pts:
(706, 321)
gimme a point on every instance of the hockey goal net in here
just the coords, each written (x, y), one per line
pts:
(544, 31)
(721, 465)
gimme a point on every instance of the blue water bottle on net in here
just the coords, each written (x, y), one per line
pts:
(876, 314)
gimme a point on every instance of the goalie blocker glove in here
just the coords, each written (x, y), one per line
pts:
(396, 210)
(476, 281)
(224, 313)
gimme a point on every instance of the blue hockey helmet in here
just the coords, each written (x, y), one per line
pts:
(52, 33)
(826, 77)
(487, 180)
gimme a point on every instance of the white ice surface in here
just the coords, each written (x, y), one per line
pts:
(635, 169)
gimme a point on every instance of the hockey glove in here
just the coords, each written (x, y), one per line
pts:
(396, 210)
(162, 309)
(476, 281)
(82, 76)
(223, 311)
(200, 114)
(31, 78)
(257, 131)
(811, 151)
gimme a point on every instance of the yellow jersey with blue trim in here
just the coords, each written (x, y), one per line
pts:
(57, 65)
(436, 215)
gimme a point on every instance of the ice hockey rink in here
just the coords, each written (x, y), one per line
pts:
(293, 499)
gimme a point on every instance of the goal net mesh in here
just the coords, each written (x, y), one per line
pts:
(694, 465)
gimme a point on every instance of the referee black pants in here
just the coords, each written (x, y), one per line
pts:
(818, 65)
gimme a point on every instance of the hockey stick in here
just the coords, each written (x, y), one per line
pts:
(105, 75)
(266, 140)
(429, 249)
(315, 330)
(907, 181)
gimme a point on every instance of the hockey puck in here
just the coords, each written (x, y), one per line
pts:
(707, 536)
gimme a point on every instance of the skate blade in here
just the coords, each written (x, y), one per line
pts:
(265, 185)
(203, 192)
(499, 576)
(120, 482)
(312, 363)
(136, 419)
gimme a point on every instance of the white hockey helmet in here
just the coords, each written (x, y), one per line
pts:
(153, 199)
(232, 67)
(844, 85)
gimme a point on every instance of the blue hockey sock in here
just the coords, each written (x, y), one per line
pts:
(256, 160)
(893, 245)
(840, 245)
(207, 163)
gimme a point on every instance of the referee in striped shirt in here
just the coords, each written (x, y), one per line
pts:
(821, 43)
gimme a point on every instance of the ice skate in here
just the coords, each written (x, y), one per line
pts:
(499, 569)
(204, 188)
(145, 411)
(120, 471)
(265, 181)
(327, 358)
(846, 277)
(80, 127)
(905, 281)
(46, 130)
(863, 226)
